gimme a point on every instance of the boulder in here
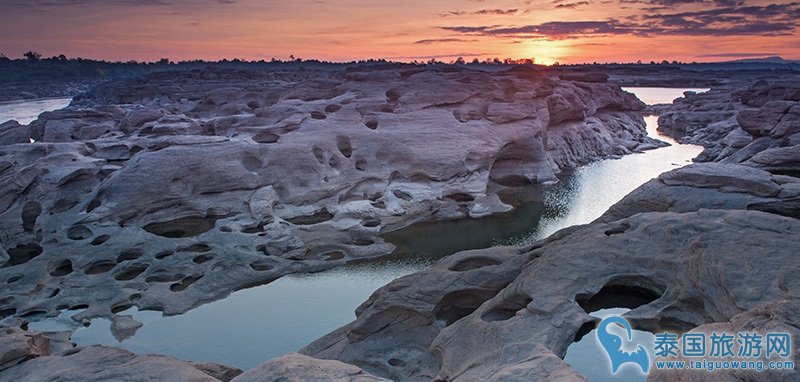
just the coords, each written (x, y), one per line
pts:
(295, 367)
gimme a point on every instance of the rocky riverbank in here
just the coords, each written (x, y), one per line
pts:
(707, 247)
(711, 246)
(175, 189)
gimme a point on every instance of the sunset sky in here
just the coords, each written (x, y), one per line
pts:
(568, 31)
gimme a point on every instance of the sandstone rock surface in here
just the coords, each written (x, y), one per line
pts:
(479, 314)
(708, 247)
(295, 367)
(102, 363)
(167, 191)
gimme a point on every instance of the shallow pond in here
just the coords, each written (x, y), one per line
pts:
(263, 322)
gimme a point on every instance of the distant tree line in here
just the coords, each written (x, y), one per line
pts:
(34, 69)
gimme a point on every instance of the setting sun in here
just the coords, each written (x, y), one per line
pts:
(544, 52)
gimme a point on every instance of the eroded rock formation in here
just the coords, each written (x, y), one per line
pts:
(708, 247)
(177, 188)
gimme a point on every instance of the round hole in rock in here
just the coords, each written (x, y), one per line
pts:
(396, 362)
(30, 212)
(121, 308)
(461, 197)
(266, 138)
(317, 217)
(63, 268)
(185, 283)
(98, 267)
(344, 146)
(507, 308)
(369, 222)
(130, 254)
(261, 266)
(373, 124)
(79, 232)
(626, 292)
(14, 279)
(402, 195)
(130, 272)
(202, 259)
(183, 227)
(163, 255)
(64, 204)
(100, 239)
(33, 315)
(23, 253)
(362, 241)
(5, 312)
(457, 305)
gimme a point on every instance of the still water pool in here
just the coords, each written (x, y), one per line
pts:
(263, 322)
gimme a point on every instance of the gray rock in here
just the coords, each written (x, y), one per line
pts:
(12, 132)
(178, 188)
(222, 372)
(102, 363)
(17, 346)
(295, 367)
(492, 314)
(711, 185)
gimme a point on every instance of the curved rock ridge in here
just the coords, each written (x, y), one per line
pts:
(712, 185)
(492, 314)
(174, 189)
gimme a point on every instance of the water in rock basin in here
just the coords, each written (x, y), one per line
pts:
(25, 111)
(588, 357)
(263, 322)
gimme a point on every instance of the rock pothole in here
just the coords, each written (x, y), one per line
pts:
(265, 137)
(130, 272)
(23, 253)
(79, 232)
(185, 283)
(62, 268)
(507, 308)
(459, 304)
(100, 266)
(131, 254)
(30, 212)
(317, 217)
(189, 226)
(628, 292)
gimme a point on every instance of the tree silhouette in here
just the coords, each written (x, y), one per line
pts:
(32, 56)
